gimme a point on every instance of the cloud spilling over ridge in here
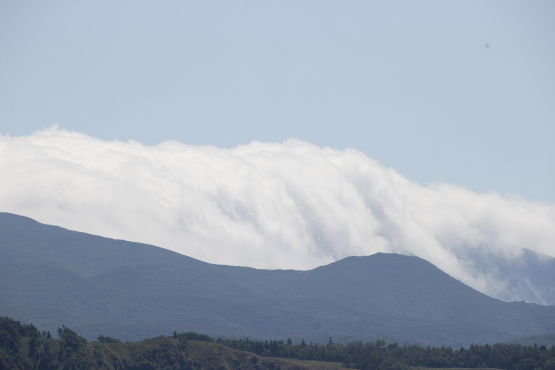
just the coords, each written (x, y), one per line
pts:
(267, 205)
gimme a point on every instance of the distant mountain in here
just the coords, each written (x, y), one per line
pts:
(530, 277)
(51, 276)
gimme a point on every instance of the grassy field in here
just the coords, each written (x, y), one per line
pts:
(452, 368)
(316, 365)
(201, 351)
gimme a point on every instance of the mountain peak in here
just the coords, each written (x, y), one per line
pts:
(54, 276)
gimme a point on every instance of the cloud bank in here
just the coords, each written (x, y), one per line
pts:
(266, 205)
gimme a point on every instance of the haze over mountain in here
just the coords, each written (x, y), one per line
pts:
(51, 276)
(268, 205)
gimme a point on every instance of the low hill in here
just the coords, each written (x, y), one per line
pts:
(52, 276)
(22, 346)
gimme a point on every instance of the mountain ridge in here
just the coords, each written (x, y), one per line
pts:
(96, 284)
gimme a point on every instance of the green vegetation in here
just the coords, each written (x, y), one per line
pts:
(25, 347)
(378, 355)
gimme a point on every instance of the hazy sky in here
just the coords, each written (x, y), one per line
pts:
(458, 92)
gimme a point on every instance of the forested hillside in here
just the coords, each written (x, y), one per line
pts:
(25, 347)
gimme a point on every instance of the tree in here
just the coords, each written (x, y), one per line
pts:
(107, 339)
(71, 339)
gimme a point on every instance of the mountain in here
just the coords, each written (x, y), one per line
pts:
(52, 276)
(547, 340)
(530, 277)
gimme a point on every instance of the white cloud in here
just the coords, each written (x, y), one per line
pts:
(265, 205)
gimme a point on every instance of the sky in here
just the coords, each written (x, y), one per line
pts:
(286, 134)
(457, 92)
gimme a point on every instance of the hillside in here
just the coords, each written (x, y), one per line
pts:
(23, 346)
(51, 276)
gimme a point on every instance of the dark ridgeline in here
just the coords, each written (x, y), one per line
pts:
(51, 276)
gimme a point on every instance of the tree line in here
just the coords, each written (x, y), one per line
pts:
(382, 356)
(23, 346)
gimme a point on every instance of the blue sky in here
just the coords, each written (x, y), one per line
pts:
(457, 92)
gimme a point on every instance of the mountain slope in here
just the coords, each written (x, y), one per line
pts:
(530, 277)
(51, 276)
